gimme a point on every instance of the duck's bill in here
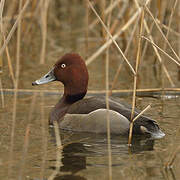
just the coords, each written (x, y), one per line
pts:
(49, 77)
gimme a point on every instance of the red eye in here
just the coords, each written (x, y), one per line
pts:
(63, 66)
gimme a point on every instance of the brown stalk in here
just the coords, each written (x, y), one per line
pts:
(93, 91)
(1, 62)
(44, 12)
(2, 93)
(102, 4)
(113, 40)
(87, 28)
(107, 101)
(141, 113)
(135, 77)
(15, 88)
(10, 65)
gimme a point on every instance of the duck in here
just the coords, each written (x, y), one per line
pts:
(75, 112)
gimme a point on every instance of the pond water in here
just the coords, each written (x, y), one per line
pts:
(84, 156)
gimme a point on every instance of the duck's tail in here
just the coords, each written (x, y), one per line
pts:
(145, 125)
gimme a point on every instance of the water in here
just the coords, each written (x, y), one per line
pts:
(84, 156)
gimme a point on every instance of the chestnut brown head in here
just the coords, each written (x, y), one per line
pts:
(71, 70)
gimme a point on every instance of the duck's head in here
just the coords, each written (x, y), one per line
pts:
(71, 70)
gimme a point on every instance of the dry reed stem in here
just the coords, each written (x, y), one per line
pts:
(135, 77)
(14, 27)
(142, 112)
(102, 6)
(1, 12)
(44, 12)
(44, 136)
(2, 93)
(58, 152)
(87, 28)
(114, 41)
(15, 88)
(157, 25)
(93, 91)
(10, 65)
(1, 62)
(170, 57)
(125, 53)
(107, 101)
(156, 51)
(107, 11)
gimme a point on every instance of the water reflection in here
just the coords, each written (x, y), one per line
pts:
(78, 147)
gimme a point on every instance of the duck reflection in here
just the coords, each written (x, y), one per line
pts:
(75, 154)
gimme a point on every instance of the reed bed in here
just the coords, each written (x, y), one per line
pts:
(134, 42)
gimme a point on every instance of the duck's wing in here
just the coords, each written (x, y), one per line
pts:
(141, 125)
(88, 105)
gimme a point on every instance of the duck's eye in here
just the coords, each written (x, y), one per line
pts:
(63, 66)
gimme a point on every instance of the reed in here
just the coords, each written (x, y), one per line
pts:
(87, 28)
(136, 76)
(1, 61)
(107, 100)
(44, 11)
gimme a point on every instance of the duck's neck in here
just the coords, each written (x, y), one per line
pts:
(70, 99)
(71, 95)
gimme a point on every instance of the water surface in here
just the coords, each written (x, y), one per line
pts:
(84, 156)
